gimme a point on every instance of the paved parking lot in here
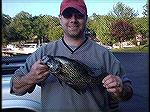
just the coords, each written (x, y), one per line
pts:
(136, 65)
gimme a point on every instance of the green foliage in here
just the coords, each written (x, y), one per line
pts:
(141, 26)
(41, 25)
(25, 27)
(120, 10)
(6, 20)
(21, 26)
(55, 33)
(146, 8)
(101, 25)
(47, 26)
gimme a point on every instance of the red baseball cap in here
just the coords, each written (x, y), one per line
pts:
(77, 4)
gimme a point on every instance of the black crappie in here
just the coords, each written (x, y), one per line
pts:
(72, 72)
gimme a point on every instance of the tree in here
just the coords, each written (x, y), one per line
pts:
(6, 20)
(122, 30)
(145, 12)
(141, 26)
(13, 35)
(120, 10)
(46, 26)
(22, 26)
(101, 25)
(54, 31)
(40, 26)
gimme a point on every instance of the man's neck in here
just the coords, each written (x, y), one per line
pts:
(74, 41)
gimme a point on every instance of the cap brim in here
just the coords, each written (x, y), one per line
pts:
(75, 7)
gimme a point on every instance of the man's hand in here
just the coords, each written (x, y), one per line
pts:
(113, 84)
(39, 72)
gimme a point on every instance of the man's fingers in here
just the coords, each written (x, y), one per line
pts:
(111, 84)
(106, 78)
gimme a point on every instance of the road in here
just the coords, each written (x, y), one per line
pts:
(136, 65)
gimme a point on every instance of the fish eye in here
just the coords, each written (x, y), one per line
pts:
(54, 66)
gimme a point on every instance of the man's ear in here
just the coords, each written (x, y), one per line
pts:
(59, 18)
(87, 19)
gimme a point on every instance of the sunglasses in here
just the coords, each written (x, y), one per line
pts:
(69, 14)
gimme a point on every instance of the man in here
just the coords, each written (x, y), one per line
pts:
(75, 45)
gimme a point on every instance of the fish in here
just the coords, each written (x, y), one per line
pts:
(74, 73)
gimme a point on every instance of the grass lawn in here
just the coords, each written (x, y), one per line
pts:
(140, 49)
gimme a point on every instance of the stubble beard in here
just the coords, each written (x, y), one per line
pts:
(75, 35)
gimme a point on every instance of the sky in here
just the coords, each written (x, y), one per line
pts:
(51, 7)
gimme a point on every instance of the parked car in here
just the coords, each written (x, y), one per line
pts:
(12, 103)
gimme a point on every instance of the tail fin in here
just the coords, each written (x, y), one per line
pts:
(98, 79)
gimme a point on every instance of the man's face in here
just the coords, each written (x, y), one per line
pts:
(73, 22)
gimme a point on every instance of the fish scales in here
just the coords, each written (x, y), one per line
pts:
(75, 74)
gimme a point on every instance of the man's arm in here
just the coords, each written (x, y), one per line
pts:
(26, 83)
(21, 85)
